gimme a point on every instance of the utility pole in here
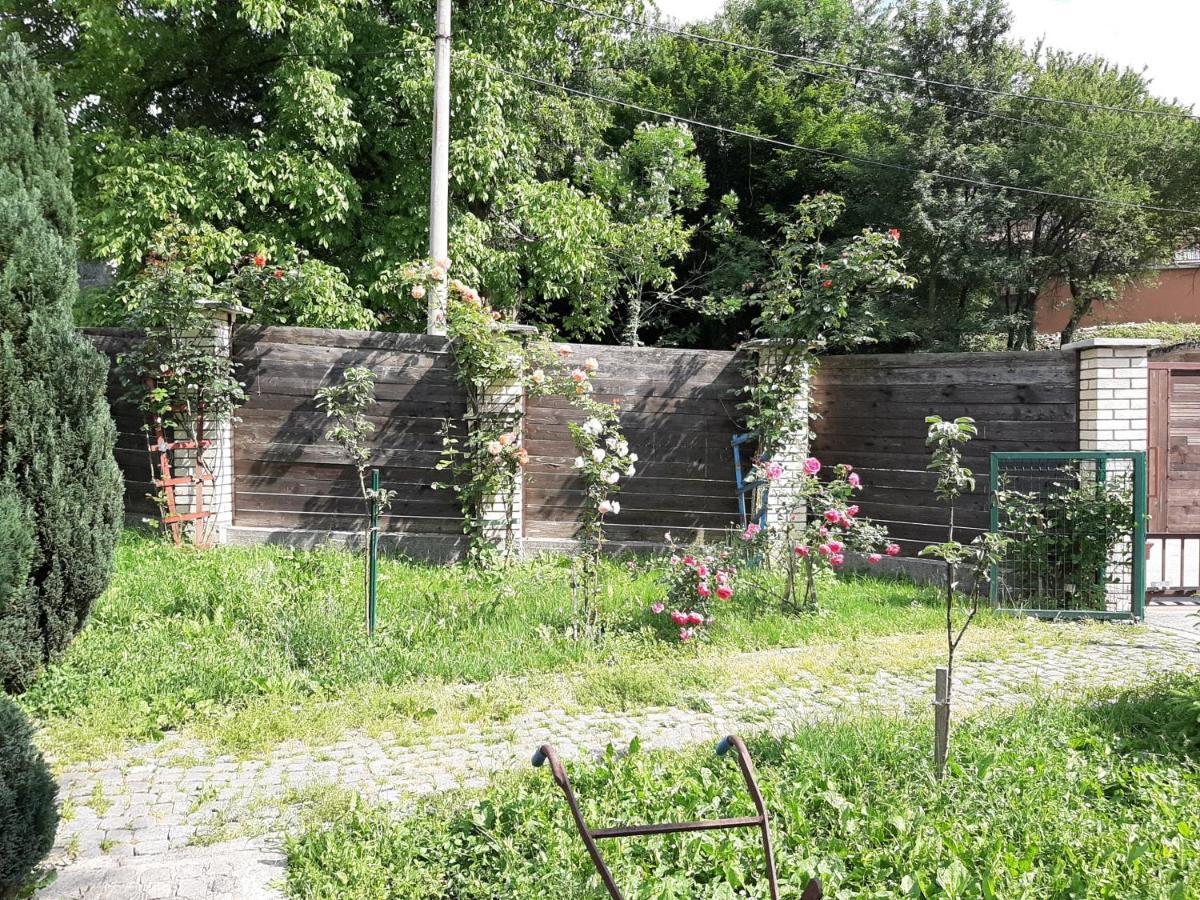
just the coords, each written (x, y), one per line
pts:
(439, 182)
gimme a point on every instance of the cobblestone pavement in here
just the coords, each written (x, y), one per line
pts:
(157, 825)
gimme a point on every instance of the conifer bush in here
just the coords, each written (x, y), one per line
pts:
(60, 489)
(28, 818)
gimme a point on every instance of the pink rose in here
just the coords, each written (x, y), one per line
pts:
(832, 515)
(802, 550)
(724, 592)
(703, 590)
(685, 634)
(854, 480)
(679, 618)
(836, 546)
(657, 608)
(837, 559)
(695, 618)
(874, 558)
(812, 466)
(689, 560)
(675, 560)
(774, 471)
(751, 531)
(852, 510)
(702, 571)
(892, 550)
(824, 550)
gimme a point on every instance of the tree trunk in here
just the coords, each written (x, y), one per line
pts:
(633, 323)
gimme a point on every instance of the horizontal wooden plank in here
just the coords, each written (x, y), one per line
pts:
(329, 473)
(396, 435)
(306, 386)
(425, 503)
(633, 499)
(330, 455)
(643, 481)
(943, 361)
(682, 533)
(450, 406)
(973, 394)
(380, 362)
(346, 338)
(266, 518)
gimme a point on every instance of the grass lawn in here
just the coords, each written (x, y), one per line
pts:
(246, 647)
(1099, 799)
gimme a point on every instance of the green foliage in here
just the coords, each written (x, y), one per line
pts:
(1167, 332)
(58, 478)
(1072, 540)
(28, 818)
(250, 646)
(347, 404)
(1063, 800)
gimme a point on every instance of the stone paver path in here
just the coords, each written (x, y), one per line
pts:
(156, 826)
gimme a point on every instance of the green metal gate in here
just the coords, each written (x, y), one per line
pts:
(1077, 527)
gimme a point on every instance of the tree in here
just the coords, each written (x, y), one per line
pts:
(301, 130)
(58, 478)
(28, 818)
(648, 184)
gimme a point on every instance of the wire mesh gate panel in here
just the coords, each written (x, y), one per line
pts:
(1077, 528)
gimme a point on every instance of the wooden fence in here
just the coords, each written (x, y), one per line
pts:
(678, 409)
(873, 411)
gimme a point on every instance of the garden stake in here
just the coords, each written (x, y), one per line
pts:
(589, 835)
(373, 554)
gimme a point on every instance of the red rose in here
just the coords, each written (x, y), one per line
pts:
(260, 260)
(278, 273)
(826, 284)
(894, 234)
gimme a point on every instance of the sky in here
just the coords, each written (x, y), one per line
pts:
(1157, 35)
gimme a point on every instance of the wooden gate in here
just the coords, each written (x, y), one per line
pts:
(1174, 457)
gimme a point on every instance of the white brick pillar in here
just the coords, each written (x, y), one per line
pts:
(503, 403)
(218, 459)
(794, 451)
(1114, 404)
(1113, 393)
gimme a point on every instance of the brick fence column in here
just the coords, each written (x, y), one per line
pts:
(1113, 393)
(218, 459)
(794, 451)
(503, 403)
(1114, 407)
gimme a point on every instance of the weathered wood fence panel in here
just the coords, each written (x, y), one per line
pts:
(873, 411)
(288, 476)
(131, 451)
(679, 411)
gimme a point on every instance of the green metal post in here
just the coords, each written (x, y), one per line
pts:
(373, 554)
(1138, 601)
(994, 580)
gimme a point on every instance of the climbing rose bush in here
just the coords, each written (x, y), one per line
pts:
(821, 526)
(697, 579)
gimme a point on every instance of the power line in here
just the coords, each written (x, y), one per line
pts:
(863, 70)
(846, 157)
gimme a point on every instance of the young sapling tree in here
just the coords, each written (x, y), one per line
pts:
(347, 404)
(947, 440)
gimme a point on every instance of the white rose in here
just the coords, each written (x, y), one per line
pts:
(593, 427)
(598, 455)
(623, 448)
(632, 471)
(616, 507)
(611, 443)
(611, 477)
(633, 457)
(494, 447)
(605, 507)
(579, 463)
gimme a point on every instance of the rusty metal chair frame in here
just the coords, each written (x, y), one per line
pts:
(589, 835)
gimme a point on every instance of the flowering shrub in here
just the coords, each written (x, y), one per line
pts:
(695, 579)
(604, 459)
(821, 527)
(485, 459)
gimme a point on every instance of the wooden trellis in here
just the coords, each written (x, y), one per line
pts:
(167, 481)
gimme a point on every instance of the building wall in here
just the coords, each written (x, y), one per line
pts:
(1174, 296)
